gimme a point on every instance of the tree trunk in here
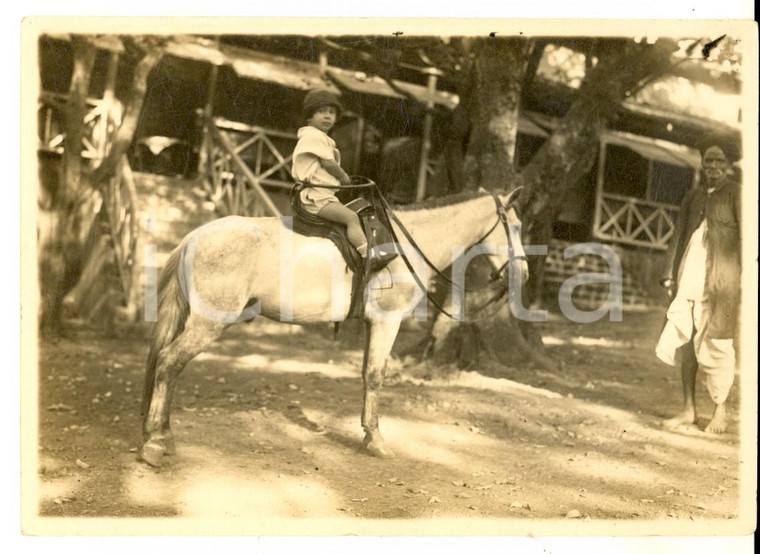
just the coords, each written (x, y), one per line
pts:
(499, 67)
(96, 293)
(62, 240)
(492, 103)
(492, 335)
(105, 286)
(570, 152)
(69, 243)
(126, 131)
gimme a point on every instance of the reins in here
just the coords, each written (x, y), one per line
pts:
(414, 245)
(391, 216)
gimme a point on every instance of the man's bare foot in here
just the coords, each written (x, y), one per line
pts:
(719, 422)
(686, 416)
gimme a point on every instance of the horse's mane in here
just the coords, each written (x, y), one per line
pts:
(440, 201)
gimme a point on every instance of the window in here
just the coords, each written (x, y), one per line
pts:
(669, 183)
(625, 172)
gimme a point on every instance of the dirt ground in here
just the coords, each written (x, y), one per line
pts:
(267, 422)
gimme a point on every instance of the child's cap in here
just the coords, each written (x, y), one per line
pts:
(317, 98)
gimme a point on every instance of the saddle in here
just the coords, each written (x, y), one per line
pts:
(375, 224)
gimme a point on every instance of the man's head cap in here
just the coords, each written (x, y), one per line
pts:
(729, 145)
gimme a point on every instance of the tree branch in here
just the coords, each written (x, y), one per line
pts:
(124, 134)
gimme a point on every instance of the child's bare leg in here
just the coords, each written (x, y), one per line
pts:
(719, 421)
(688, 381)
(337, 212)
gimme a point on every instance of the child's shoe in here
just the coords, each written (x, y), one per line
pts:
(378, 259)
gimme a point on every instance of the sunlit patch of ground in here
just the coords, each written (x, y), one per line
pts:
(201, 489)
(268, 425)
(586, 341)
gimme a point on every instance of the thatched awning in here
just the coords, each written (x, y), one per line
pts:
(110, 43)
(647, 147)
(300, 75)
(655, 149)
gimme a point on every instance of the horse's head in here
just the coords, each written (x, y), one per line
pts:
(510, 231)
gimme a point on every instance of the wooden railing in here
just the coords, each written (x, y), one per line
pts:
(243, 160)
(633, 221)
(51, 133)
(120, 203)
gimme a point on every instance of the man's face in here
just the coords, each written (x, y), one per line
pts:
(715, 164)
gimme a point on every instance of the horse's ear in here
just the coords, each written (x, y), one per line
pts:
(512, 196)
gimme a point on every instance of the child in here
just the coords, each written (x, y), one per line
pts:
(316, 161)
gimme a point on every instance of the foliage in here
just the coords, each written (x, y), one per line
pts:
(563, 66)
(680, 95)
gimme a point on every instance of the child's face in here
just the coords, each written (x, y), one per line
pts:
(324, 118)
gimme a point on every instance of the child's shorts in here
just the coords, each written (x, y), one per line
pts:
(313, 199)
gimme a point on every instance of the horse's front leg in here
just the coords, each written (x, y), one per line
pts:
(379, 337)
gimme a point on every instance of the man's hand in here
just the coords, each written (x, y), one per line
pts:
(670, 286)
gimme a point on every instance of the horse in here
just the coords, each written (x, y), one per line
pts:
(235, 269)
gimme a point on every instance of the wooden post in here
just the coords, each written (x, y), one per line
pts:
(358, 145)
(208, 113)
(46, 138)
(599, 187)
(433, 75)
(322, 63)
(650, 172)
(108, 103)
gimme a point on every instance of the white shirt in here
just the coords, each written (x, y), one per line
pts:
(314, 145)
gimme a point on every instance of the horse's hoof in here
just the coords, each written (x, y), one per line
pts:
(152, 453)
(170, 447)
(379, 450)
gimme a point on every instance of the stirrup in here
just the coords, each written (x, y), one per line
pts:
(379, 259)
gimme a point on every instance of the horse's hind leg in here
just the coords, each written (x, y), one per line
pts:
(379, 338)
(197, 335)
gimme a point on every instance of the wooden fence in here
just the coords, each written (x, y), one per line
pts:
(243, 159)
(633, 221)
(97, 122)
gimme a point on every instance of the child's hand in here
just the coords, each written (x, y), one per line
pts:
(345, 181)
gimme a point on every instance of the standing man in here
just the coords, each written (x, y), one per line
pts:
(702, 278)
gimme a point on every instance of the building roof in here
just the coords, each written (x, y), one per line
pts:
(647, 147)
(655, 149)
(300, 75)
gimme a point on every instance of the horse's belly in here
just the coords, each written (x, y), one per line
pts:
(313, 289)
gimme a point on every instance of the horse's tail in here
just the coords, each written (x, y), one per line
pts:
(173, 309)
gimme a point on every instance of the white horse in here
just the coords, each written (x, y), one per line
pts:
(235, 268)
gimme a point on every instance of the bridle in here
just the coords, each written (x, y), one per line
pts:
(498, 282)
(502, 211)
